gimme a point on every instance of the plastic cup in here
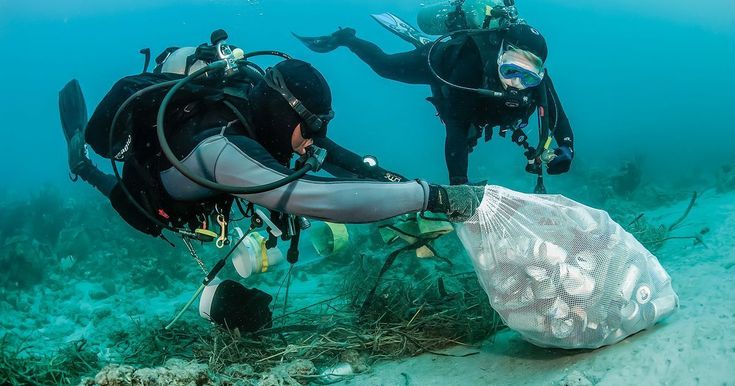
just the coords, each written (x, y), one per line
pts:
(329, 238)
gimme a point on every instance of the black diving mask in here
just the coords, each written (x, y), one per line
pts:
(314, 125)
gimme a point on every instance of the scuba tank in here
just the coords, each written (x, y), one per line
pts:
(176, 62)
(186, 60)
(453, 15)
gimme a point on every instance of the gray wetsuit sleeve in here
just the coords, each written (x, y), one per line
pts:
(240, 161)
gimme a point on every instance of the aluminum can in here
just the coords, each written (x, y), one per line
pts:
(630, 279)
(575, 281)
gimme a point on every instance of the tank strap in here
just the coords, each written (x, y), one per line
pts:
(162, 58)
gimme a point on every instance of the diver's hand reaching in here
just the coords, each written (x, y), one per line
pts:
(458, 202)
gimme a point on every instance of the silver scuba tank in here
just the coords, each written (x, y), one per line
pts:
(437, 18)
(186, 60)
(176, 62)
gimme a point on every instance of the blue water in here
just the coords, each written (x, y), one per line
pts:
(635, 77)
(644, 81)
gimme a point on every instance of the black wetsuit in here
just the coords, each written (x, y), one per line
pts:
(213, 143)
(464, 114)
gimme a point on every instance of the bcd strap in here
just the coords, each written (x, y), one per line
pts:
(149, 192)
(147, 53)
(162, 58)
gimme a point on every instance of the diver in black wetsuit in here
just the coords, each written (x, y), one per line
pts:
(509, 60)
(213, 142)
(239, 132)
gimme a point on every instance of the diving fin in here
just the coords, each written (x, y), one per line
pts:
(73, 109)
(320, 44)
(73, 112)
(404, 30)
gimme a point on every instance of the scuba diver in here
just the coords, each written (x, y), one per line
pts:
(480, 78)
(208, 128)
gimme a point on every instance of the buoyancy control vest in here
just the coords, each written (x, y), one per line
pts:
(197, 106)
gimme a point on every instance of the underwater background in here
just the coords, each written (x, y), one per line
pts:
(647, 85)
(637, 78)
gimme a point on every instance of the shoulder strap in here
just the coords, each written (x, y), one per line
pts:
(246, 123)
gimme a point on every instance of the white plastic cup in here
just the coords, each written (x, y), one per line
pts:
(249, 258)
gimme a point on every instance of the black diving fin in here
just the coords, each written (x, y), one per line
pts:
(404, 30)
(73, 109)
(73, 112)
(320, 44)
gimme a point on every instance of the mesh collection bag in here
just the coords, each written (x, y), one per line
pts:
(563, 274)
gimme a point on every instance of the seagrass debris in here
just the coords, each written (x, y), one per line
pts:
(410, 317)
(653, 237)
(19, 367)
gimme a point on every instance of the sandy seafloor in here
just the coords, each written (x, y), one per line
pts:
(695, 346)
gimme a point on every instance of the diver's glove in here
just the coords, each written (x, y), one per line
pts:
(562, 160)
(458, 202)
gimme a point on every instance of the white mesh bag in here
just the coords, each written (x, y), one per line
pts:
(563, 274)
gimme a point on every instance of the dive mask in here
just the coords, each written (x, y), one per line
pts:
(314, 125)
(520, 69)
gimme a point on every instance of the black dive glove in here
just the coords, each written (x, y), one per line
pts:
(458, 202)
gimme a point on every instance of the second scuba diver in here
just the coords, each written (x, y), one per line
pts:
(231, 132)
(480, 79)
